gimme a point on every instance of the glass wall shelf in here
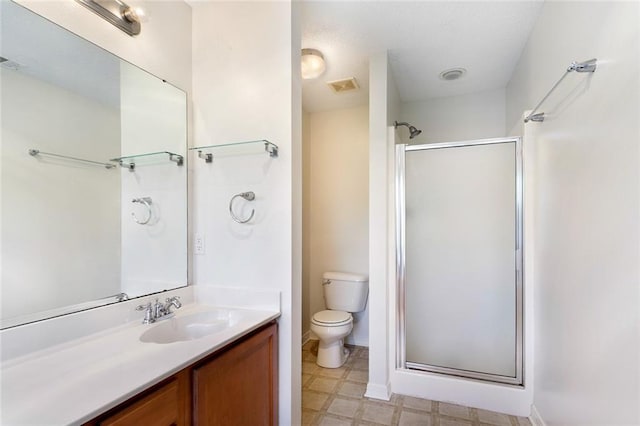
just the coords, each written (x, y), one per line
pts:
(130, 161)
(236, 148)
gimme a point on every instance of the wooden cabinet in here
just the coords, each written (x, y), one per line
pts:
(237, 385)
(165, 404)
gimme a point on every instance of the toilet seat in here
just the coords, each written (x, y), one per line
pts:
(331, 318)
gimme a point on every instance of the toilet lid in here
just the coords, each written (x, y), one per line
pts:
(332, 317)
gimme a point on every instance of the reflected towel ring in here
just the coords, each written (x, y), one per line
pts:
(146, 201)
(249, 196)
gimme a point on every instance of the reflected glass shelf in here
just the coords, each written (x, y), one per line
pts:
(246, 147)
(130, 161)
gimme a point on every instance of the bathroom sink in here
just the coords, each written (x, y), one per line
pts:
(190, 327)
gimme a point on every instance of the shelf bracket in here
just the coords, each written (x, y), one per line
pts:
(271, 149)
(131, 166)
(208, 158)
(178, 159)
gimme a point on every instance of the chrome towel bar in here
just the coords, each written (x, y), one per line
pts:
(586, 66)
(36, 152)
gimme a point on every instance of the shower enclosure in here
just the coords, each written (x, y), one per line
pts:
(459, 259)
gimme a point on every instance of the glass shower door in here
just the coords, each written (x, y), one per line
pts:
(460, 261)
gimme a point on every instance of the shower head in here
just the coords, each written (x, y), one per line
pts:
(413, 132)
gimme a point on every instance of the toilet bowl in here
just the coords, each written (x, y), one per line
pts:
(343, 293)
(331, 327)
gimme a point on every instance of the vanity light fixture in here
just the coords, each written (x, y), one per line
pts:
(117, 13)
(312, 63)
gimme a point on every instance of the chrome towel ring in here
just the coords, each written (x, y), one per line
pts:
(145, 201)
(249, 196)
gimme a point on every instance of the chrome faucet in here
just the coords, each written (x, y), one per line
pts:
(148, 314)
(172, 301)
(158, 311)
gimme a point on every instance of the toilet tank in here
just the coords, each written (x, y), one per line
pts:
(345, 291)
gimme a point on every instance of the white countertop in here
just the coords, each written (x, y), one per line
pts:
(78, 380)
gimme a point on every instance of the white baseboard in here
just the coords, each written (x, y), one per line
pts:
(378, 391)
(306, 336)
(535, 418)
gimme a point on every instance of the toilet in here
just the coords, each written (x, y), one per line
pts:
(344, 293)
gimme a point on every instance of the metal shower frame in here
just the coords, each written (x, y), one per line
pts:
(401, 362)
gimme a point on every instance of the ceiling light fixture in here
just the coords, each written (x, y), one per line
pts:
(452, 74)
(312, 63)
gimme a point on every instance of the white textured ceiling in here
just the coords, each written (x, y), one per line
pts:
(423, 38)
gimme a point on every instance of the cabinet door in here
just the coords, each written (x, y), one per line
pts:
(166, 405)
(239, 386)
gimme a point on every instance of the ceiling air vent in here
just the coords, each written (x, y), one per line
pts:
(452, 74)
(345, 85)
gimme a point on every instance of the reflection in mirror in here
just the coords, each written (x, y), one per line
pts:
(76, 232)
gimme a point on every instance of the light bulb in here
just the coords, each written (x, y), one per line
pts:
(312, 63)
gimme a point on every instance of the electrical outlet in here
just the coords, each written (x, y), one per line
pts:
(198, 244)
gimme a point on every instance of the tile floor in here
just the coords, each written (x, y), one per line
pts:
(335, 396)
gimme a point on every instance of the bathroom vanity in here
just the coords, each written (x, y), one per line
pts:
(235, 385)
(207, 365)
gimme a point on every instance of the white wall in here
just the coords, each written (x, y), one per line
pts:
(306, 226)
(587, 324)
(338, 209)
(50, 207)
(456, 118)
(384, 107)
(246, 87)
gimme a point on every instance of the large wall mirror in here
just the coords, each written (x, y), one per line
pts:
(93, 174)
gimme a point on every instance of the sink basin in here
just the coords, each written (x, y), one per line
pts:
(190, 327)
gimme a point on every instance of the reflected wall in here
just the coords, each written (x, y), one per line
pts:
(69, 240)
